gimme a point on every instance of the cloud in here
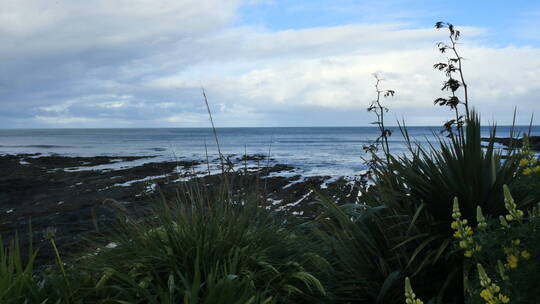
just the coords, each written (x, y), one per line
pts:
(498, 79)
(111, 63)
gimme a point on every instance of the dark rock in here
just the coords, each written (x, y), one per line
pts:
(534, 142)
(254, 157)
(57, 161)
(83, 204)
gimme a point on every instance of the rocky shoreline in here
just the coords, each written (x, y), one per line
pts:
(534, 142)
(79, 196)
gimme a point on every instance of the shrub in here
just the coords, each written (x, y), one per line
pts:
(401, 226)
(505, 265)
(525, 186)
(199, 250)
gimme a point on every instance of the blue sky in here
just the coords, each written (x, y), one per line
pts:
(511, 22)
(137, 63)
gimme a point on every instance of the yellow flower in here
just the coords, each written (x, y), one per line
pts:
(536, 169)
(410, 297)
(463, 232)
(525, 254)
(523, 162)
(503, 298)
(527, 171)
(512, 261)
(486, 294)
(491, 292)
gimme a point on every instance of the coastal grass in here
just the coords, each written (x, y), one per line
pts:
(197, 248)
(209, 251)
(16, 274)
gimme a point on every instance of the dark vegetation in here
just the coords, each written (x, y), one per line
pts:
(455, 220)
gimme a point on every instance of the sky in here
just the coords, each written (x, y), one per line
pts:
(262, 63)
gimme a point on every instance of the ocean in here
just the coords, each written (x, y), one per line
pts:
(322, 151)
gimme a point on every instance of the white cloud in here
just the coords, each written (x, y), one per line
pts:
(499, 78)
(64, 119)
(189, 118)
(142, 63)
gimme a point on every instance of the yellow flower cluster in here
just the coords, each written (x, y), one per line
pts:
(512, 261)
(463, 232)
(514, 254)
(528, 162)
(410, 297)
(491, 292)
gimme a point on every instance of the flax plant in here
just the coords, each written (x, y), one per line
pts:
(205, 249)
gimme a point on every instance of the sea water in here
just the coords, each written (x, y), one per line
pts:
(326, 151)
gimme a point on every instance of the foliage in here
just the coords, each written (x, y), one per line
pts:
(360, 245)
(417, 190)
(525, 187)
(204, 250)
(197, 249)
(506, 268)
(16, 274)
(434, 176)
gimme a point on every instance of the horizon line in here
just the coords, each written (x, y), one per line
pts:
(245, 127)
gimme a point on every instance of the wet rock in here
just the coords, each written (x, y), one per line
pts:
(253, 157)
(57, 161)
(82, 204)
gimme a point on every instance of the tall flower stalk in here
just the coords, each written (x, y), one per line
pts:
(379, 109)
(453, 70)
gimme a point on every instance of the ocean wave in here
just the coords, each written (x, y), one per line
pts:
(311, 141)
(35, 146)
